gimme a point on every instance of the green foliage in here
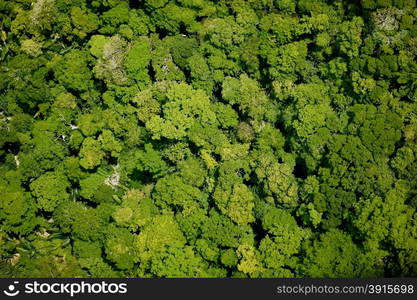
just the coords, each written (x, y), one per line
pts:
(84, 22)
(184, 107)
(335, 255)
(137, 60)
(72, 70)
(246, 94)
(171, 191)
(150, 161)
(17, 207)
(197, 138)
(90, 153)
(119, 248)
(235, 202)
(49, 190)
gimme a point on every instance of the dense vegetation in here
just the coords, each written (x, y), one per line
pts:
(208, 138)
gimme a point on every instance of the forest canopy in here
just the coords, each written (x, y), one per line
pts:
(208, 138)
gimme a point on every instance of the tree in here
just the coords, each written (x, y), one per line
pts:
(50, 189)
(335, 255)
(235, 201)
(72, 71)
(84, 22)
(172, 193)
(18, 208)
(197, 138)
(137, 60)
(184, 108)
(246, 93)
(119, 248)
(91, 153)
